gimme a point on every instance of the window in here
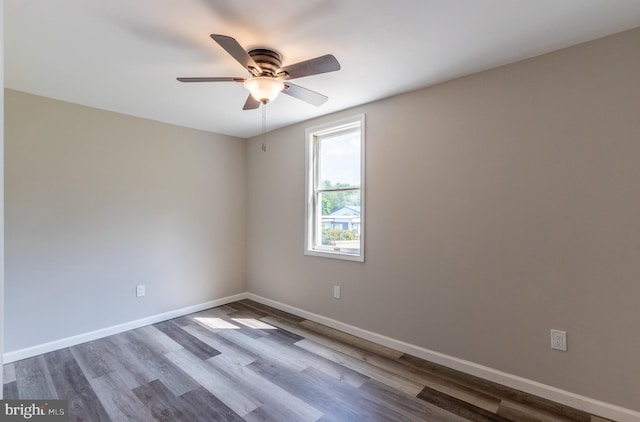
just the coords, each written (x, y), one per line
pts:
(335, 190)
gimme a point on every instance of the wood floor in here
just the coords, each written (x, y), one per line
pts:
(246, 361)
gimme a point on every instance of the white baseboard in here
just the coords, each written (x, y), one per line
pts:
(115, 329)
(587, 404)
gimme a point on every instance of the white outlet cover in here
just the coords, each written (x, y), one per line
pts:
(559, 340)
(336, 292)
(140, 290)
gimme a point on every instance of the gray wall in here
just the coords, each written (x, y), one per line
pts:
(500, 205)
(97, 202)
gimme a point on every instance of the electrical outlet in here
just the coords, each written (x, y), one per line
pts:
(336, 292)
(559, 340)
(140, 290)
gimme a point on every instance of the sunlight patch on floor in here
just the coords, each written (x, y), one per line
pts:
(254, 323)
(216, 323)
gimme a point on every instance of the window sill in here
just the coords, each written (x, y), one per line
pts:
(335, 255)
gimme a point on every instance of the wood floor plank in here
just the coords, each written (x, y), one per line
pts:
(244, 312)
(9, 372)
(511, 410)
(459, 407)
(240, 318)
(377, 408)
(270, 348)
(406, 404)
(284, 336)
(159, 404)
(460, 391)
(219, 311)
(250, 332)
(252, 346)
(121, 338)
(216, 324)
(186, 340)
(492, 389)
(225, 388)
(240, 355)
(155, 338)
(254, 324)
(382, 375)
(474, 397)
(34, 380)
(10, 391)
(93, 358)
(266, 413)
(267, 392)
(358, 342)
(306, 359)
(328, 402)
(72, 384)
(335, 401)
(184, 321)
(268, 310)
(208, 407)
(156, 362)
(545, 405)
(132, 372)
(393, 366)
(306, 333)
(164, 406)
(120, 403)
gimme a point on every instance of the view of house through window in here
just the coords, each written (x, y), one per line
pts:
(334, 190)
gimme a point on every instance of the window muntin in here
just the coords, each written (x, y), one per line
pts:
(335, 182)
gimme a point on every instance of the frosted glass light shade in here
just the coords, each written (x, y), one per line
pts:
(264, 88)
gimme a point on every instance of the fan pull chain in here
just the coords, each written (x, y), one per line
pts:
(264, 127)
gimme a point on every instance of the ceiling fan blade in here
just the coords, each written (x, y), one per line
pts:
(236, 51)
(212, 79)
(304, 94)
(322, 64)
(251, 103)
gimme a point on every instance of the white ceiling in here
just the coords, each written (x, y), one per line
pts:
(124, 55)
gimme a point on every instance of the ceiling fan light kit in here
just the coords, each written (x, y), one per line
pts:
(264, 88)
(268, 76)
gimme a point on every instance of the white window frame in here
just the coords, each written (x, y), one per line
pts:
(312, 219)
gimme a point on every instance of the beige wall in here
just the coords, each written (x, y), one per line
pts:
(500, 205)
(98, 202)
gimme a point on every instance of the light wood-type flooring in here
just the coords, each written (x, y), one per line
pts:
(247, 361)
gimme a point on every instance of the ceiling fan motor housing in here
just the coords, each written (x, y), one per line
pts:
(268, 60)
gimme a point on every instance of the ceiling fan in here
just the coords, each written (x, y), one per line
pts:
(268, 76)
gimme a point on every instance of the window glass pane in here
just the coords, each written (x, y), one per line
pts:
(340, 221)
(339, 160)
